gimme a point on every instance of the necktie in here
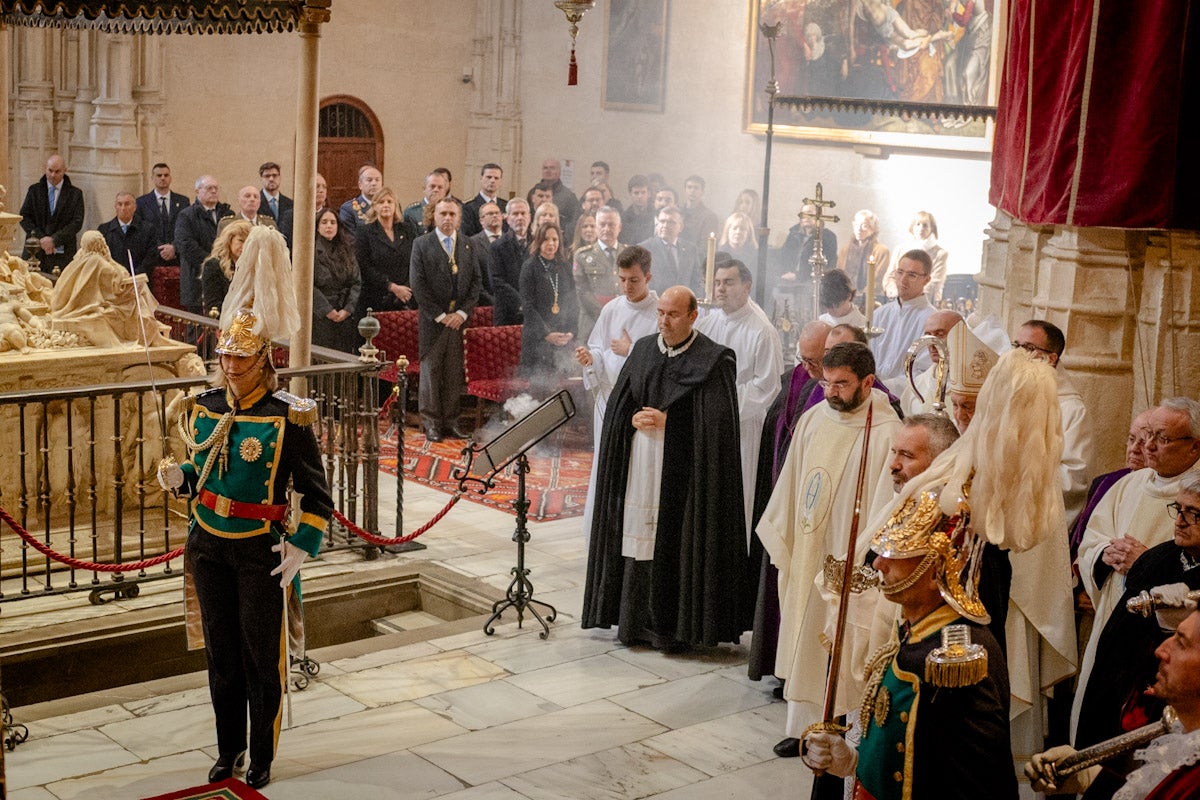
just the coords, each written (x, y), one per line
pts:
(673, 260)
(124, 228)
(164, 218)
(53, 197)
(274, 203)
(448, 244)
(213, 214)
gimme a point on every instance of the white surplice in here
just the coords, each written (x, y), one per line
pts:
(748, 332)
(617, 317)
(903, 322)
(1136, 506)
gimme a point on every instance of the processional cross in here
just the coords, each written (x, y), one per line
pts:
(817, 261)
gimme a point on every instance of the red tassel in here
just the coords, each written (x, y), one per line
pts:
(573, 70)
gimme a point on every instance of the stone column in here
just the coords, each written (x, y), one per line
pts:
(106, 151)
(1165, 342)
(494, 128)
(307, 108)
(32, 130)
(6, 177)
(149, 97)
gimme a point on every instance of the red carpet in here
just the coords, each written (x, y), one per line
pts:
(228, 789)
(556, 484)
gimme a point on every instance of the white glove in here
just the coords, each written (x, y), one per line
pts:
(289, 563)
(830, 753)
(170, 475)
(1040, 772)
(1173, 605)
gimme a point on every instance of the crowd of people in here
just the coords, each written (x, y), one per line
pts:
(952, 568)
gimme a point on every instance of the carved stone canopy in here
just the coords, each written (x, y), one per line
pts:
(167, 16)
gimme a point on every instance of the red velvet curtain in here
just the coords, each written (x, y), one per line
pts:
(1090, 125)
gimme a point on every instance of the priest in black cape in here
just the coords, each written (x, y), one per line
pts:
(688, 585)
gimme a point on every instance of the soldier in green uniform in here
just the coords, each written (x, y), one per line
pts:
(595, 269)
(934, 718)
(246, 441)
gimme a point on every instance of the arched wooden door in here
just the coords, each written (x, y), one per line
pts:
(349, 135)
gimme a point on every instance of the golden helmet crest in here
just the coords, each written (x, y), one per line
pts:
(239, 339)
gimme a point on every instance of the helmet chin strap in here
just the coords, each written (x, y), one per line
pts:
(256, 367)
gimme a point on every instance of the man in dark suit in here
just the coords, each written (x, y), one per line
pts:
(53, 214)
(195, 232)
(354, 211)
(489, 192)
(157, 211)
(507, 255)
(492, 222)
(271, 201)
(446, 279)
(129, 238)
(675, 261)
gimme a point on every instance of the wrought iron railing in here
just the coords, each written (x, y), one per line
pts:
(78, 468)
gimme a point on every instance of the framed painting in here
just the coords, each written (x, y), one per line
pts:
(635, 55)
(894, 64)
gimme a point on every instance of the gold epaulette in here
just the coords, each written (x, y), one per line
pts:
(301, 410)
(958, 662)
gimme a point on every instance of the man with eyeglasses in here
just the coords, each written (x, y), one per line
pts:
(1132, 517)
(1114, 699)
(903, 319)
(809, 516)
(674, 258)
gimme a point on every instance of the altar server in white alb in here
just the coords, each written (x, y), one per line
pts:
(903, 319)
(740, 324)
(622, 321)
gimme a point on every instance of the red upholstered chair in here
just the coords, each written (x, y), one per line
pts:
(491, 356)
(164, 285)
(398, 337)
(481, 317)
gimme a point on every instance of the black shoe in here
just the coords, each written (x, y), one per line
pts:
(454, 433)
(432, 434)
(258, 777)
(226, 764)
(777, 692)
(787, 748)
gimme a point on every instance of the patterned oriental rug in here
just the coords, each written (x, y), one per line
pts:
(228, 789)
(556, 485)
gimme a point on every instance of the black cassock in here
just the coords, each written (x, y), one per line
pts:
(694, 591)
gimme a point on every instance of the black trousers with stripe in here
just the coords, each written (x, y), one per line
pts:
(241, 607)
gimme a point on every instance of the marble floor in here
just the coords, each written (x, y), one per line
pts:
(459, 716)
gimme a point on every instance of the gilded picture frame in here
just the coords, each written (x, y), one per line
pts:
(890, 60)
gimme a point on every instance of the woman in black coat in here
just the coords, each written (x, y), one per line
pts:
(336, 286)
(218, 269)
(551, 311)
(384, 249)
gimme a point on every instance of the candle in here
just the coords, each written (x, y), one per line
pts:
(869, 297)
(710, 261)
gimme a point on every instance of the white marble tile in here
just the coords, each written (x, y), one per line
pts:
(689, 701)
(779, 777)
(487, 791)
(725, 744)
(145, 706)
(486, 705)
(354, 737)
(529, 744)
(43, 761)
(622, 773)
(35, 793)
(392, 775)
(527, 653)
(414, 678)
(146, 779)
(406, 621)
(379, 658)
(162, 734)
(671, 667)
(584, 680)
(82, 720)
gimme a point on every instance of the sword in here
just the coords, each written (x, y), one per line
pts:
(827, 725)
(1110, 748)
(160, 403)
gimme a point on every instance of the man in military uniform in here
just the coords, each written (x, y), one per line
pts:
(354, 211)
(245, 442)
(596, 269)
(934, 718)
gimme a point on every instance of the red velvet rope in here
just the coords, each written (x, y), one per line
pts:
(79, 563)
(383, 541)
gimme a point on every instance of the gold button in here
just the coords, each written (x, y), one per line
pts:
(899, 776)
(899, 747)
(904, 716)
